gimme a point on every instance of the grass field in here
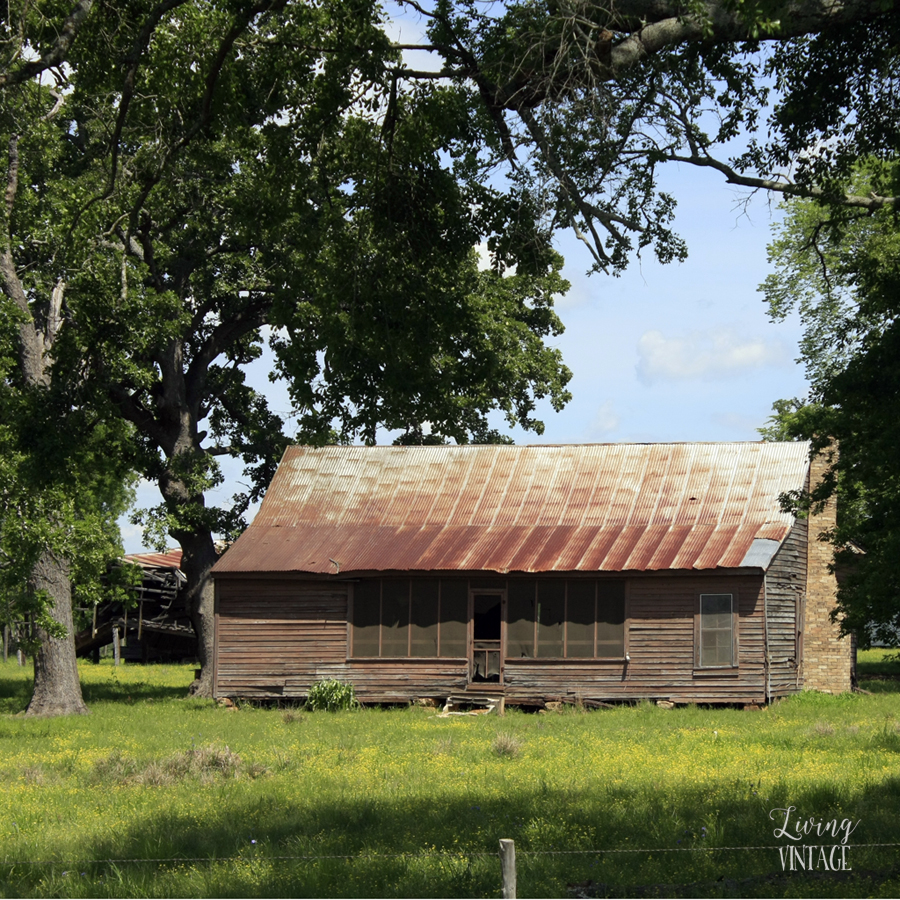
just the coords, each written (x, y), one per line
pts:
(157, 795)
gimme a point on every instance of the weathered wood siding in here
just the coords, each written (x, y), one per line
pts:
(277, 637)
(785, 587)
(660, 642)
(270, 633)
(396, 680)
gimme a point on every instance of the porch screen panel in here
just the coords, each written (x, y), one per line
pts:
(611, 618)
(454, 617)
(366, 617)
(395, 617)
(551, 615)
(580, 619)
(520, 618)
(424, 618)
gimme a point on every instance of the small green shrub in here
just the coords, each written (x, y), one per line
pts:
(331, 694)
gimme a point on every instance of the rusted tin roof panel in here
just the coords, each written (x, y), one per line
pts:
(668, 547)
(642, 553)
(601, 507)
(171, 559)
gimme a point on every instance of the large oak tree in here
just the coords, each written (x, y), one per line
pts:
(196, 172)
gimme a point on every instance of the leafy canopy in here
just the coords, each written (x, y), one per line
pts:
(841, 271)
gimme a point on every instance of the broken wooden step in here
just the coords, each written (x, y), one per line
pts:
(473, 704)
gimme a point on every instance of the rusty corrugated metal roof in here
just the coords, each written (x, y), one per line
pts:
(596, 507)
(171, 559)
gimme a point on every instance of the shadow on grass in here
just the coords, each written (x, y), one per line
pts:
(270, 842)
(884, 664)
(15, 690)
(883, 685)
(131, 692)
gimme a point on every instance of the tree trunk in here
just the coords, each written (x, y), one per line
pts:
(57, 690)
(198, 558)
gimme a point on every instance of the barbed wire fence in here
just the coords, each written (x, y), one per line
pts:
(507, 856)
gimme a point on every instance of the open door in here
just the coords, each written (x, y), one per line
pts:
(488, 613)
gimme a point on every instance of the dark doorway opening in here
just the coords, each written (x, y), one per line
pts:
(487, 619)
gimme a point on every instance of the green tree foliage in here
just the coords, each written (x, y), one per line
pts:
(198, 172)
(588, 101)
(842, 273)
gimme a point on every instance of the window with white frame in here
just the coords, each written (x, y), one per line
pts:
(716, 637)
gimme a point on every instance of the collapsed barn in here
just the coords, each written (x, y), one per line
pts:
(155, 626)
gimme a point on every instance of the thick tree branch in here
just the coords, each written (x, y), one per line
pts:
(57, 52)
(31, 342)
(134, 411)
(871, 203)
(639, 29)
(224, 335)
(220, 450)
(12, 179)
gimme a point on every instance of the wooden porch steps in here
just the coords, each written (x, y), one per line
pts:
(475, 700)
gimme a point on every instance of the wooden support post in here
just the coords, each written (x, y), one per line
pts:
(117, 649)
(141, 615)
(20, 657)
(508, 869)
(94, 628)
(5, 643)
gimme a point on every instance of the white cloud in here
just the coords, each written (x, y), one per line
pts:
(578, 295)
(712, 354)
(605, 421)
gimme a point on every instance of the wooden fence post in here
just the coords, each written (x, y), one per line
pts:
(508, 869)
(117, 650)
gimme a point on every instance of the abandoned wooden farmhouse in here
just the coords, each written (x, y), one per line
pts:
(599, 572)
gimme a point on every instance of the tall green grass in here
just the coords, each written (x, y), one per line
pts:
(157, 795)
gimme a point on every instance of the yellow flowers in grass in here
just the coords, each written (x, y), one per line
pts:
(413, 800)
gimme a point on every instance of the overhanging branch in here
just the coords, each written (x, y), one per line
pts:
(872, 203)
(58, 51)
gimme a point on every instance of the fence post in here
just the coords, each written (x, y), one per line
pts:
(117, 651)
(508, 868)
(5, 643)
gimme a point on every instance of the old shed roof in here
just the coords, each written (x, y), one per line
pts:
(599, 507)
(171, 559)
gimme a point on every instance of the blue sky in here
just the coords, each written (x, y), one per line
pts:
(682, 352)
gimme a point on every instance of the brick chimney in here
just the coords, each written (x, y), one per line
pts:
(828, 659)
